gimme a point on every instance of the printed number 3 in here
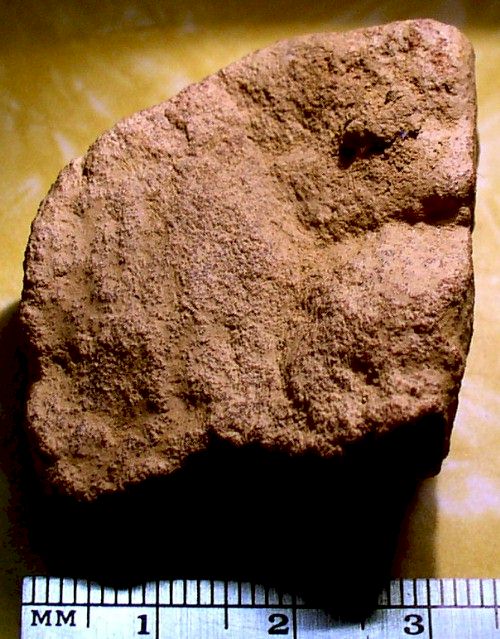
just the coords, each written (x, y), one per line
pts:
(279, 624)
(416, 626)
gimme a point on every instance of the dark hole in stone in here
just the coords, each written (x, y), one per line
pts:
(441, 209)
(356, 144)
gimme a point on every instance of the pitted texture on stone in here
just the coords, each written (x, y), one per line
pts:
(278, 255)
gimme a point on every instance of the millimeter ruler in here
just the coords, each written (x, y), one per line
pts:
(202, 609)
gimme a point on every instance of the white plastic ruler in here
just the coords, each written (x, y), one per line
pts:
(194, 609)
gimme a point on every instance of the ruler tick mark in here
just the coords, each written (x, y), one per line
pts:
(429, 607)
(88, 602)
(495, 602)
(226, 606)
(294, 617)
(157, 611)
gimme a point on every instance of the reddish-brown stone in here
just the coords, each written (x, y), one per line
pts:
(279, 255)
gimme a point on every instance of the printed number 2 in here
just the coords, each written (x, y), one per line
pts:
(279, 624)
(143, 630)
(416, 626)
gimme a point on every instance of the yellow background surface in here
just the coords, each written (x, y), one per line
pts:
(69, 70)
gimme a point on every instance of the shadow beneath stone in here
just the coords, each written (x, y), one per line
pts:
(14, 460)
(16, 479)
(415, 553)
(324, 530)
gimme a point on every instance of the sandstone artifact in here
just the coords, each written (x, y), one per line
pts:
(279, 255)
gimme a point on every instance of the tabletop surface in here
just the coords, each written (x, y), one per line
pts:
(69, 70)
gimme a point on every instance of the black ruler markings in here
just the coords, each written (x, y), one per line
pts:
(429, 607)
(495, 601)
(226, 605)
(88, 601)
(294, 617)
(108, 598)
(280, 603)
(157, 611)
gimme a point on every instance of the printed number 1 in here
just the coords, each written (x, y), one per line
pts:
(143, 630)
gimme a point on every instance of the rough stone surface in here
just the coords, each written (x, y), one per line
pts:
(278, 255)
